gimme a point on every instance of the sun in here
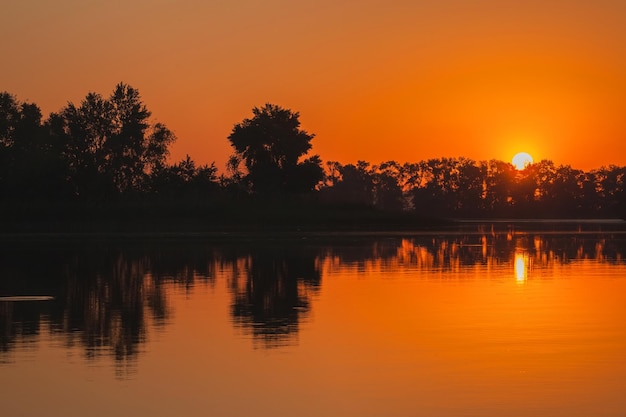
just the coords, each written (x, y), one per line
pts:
(521, 160)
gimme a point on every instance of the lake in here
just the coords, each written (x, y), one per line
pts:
(478, 323)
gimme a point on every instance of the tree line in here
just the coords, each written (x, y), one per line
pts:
(461, 187)
(107, 149)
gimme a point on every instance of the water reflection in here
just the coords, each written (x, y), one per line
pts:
(525, 253)
(521, 267)
(107, 295)
(105, 300)
(271, 290)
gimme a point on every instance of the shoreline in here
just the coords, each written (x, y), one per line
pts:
(469, 227)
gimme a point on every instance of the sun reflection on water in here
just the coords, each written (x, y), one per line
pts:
(521, 267)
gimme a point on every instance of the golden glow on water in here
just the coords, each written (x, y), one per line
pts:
(521, 267)
(436, 327)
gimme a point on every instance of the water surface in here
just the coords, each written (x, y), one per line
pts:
(481, 324)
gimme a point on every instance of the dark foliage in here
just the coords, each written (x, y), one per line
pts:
(271, 145)
(460, 187)
(102, 164)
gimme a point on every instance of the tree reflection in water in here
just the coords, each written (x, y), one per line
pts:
(273, 293)
(105, 299)
(450, 253)
(106, 295)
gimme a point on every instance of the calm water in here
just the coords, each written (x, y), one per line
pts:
(440, 325)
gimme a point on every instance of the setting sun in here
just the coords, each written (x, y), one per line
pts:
(521, 160)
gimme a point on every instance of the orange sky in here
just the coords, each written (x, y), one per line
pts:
(374, 80)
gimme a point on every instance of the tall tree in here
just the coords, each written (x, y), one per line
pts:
(10, 121)
(111, 145)
(31, 164)
(272, 145)
(388, 177)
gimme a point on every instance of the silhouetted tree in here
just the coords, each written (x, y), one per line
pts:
(111, 146)
(499, 180)
(350, 184)
(439, 194)
(31, 162)
(469, 187)
(271, 145)
(560, 190)
(611, 189)
(388, 191)
(185, 179)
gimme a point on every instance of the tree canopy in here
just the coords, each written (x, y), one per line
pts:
(107, 149)
(110, 143)
(271, 146)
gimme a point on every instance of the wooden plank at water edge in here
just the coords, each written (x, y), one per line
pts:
(16, 298)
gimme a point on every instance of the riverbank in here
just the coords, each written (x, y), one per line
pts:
(176, 221)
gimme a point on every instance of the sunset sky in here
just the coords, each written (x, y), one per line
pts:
(374, 80)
